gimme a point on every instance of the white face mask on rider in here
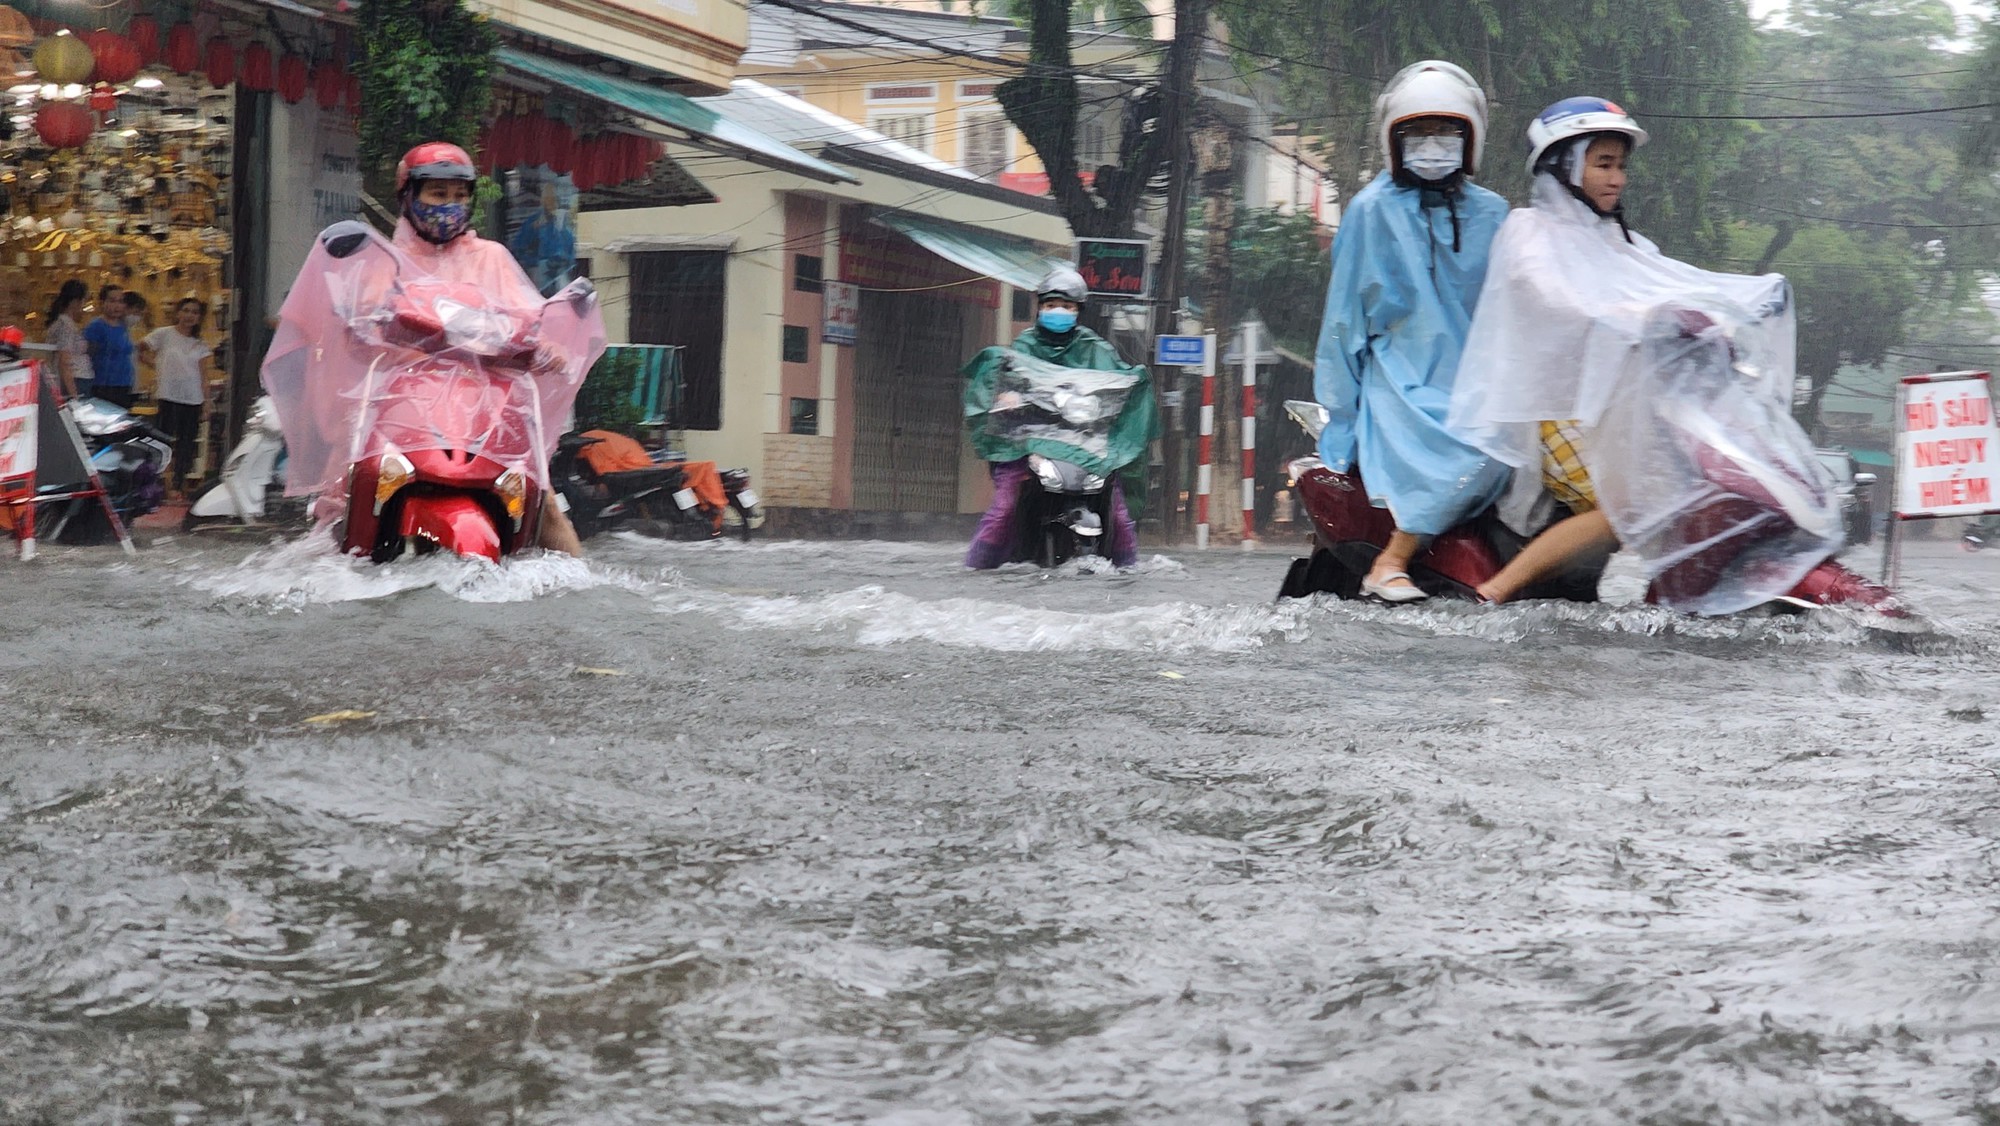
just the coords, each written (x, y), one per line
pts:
(1433, 158)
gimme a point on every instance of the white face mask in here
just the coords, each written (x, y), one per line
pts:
(1433, 158)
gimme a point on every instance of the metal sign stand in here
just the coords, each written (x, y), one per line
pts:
(58, 436)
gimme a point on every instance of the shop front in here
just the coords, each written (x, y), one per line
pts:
(137, 154)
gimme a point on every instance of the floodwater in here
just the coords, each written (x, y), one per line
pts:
(830, 833)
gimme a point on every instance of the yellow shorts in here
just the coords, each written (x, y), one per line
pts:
(1563, 472)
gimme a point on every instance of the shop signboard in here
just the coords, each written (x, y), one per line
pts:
(17, 423)
(1114, 267)
(843, 313)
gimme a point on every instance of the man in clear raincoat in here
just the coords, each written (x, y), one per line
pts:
(1408, 262)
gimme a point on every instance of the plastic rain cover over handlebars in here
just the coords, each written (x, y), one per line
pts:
(406, 346)
(1681, 380)
(1017, 405)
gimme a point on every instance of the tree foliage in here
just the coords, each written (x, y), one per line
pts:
(1657, 57)
(426, 75)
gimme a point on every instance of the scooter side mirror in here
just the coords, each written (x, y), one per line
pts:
(344, 237)
(580, 293)
(1864, 478)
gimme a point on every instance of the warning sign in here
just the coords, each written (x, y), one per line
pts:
(17, 421)
(1948, 449)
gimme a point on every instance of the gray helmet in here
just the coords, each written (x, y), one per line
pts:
(1064, 282)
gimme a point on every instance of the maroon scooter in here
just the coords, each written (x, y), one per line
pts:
(1348, 532)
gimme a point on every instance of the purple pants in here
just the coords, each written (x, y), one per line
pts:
(993, 543)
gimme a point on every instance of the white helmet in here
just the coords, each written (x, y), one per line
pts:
(1432, 88)
(1064, 282)
(1578, 117)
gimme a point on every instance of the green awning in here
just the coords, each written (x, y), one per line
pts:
(1018, 262)
(702, 126)
(1880, 458)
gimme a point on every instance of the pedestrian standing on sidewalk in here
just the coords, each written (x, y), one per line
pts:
(111, 348)
(66, 337)
(177, 352)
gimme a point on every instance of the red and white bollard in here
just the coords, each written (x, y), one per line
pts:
(1250, 343)
(1204, 472)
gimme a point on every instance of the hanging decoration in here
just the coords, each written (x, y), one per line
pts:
(258, 74)
(116, 57)
(291, 79)
(221, 64)
(329, 82)
(144, 32)
(64, 60)
(64, 125)
(104, 98)
(183, 51)
(15, 30)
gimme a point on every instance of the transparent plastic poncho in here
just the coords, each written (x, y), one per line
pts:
(1017, 405)
(405, 346)
(1680, 380)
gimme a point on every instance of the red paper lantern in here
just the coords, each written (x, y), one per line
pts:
(291, 79)
(221, 65)
(183, 53)
(103, 98)
(117, 58)
(259, 74)
(144, 32)
(329, 82)
(65, 125)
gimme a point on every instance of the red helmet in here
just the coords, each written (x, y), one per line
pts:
(434, 160)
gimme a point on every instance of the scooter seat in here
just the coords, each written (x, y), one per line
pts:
(630, 480)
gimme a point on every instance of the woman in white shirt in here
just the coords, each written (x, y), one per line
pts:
(176, 353)
(72, 355)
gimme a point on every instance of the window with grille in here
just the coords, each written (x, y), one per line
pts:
(805, 416)
(795, 344)
(913, 129)
(677, 299)
(986, 144)
(806, 273)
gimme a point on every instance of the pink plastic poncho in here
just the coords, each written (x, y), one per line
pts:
(409, 346)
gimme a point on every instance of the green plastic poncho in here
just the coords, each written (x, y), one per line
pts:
(1074, 401)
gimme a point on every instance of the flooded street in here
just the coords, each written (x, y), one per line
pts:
(836, 832)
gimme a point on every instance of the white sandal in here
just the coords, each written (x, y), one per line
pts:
(1394, 595)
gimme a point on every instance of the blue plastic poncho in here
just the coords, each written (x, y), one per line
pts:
(1397, 313)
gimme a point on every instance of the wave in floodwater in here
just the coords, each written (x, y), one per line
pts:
(877, 616)
(312, 571)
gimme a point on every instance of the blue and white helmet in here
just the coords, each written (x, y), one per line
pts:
(1578, 117)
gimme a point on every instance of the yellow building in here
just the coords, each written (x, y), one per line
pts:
(926, 78)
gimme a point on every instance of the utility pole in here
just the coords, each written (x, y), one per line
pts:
(1177, 113)
(1217, 169)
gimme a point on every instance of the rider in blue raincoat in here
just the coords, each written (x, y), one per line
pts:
(1408, 262)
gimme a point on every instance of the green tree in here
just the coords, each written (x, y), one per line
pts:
(1881, 226)
(1676, 63)
(426, 75)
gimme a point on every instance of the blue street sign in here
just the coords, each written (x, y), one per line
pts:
(1182, 351)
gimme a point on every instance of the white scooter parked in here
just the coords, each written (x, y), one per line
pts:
(254, 468)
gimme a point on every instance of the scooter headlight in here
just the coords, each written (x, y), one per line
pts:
(513, 489)
(391, 473)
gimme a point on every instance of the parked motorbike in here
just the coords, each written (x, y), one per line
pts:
(252, 481)
(598, 502)
(1348, 532)
(131, 459)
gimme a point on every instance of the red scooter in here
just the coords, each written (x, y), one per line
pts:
(434, 394)
(1348, 532)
